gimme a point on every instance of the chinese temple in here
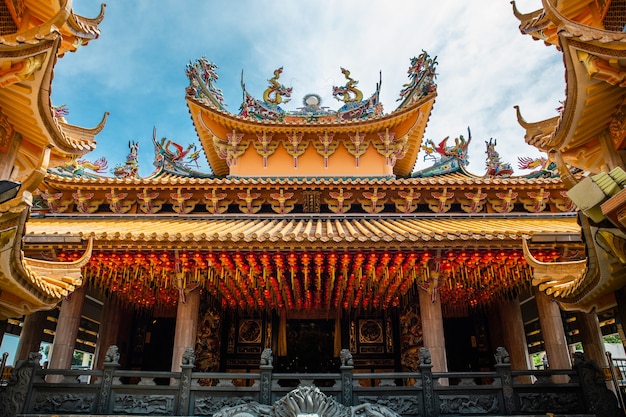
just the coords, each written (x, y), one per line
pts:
(313, 232)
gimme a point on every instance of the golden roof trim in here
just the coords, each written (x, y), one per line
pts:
(86, 27)
(278, 229)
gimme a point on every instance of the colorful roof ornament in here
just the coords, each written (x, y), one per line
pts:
(172, 158)
(421, 79)
(202, 76)
(495, 167)
(446, 159)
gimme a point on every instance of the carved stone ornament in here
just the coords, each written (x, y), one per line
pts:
(306, 401)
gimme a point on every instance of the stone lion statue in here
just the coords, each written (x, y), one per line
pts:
(502, 356)
(112, 355)
(424, 356)
(266, 357)
(346, 357)
(189, 356)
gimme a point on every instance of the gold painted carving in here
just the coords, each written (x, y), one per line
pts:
(600, 69)
(148, 202)
(295, 146)
(6, 133)
(326, 146)
(182, 202)
(216, 203)
(373, 202)
(357, 146)
(265, 146)
(617, 129)
(564, 204)
(55, 201)
(390, 147)
(505, 202)
(117, 202)
(21, 70)
(311, 201)
(282, 203)
(340, 201)
(474, 202)
(441, 201)
(249, 202)
(537, 201)
(408, 201)
(84, 204)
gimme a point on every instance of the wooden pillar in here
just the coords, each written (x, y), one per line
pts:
(553, 333)
(186, 327)
(591, 337)
(67, 330)
(514, 334)
(108, 331)
(31, 335)
(432, 328)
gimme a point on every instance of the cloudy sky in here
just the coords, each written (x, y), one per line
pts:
(136, 69)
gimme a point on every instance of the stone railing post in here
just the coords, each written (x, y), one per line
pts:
(598, 399)
(503, 369)
(347, 366)
(428, 392)
(16, 395)
(266, 366)
(111, 364)
(184, 386)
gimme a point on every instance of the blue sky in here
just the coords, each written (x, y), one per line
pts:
(136, 69)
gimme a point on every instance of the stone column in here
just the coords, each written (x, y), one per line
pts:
(31, 335)
(108, 331)
(553, 333)
(432, 328)
(514, 334)
(591, 337)
(67, 330)
(186, 327)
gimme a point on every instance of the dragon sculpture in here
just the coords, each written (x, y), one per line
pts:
(276, 91)
(495, 167)
(202, 76)
(421, 79)
(348, 93)
(130, 168)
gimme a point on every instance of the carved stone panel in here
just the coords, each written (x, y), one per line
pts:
(540, 402)
(144, 404)
(468, 404)
(46, 403)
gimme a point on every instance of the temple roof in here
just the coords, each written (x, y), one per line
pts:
(296, 232)
(213, 122)
(595, 60)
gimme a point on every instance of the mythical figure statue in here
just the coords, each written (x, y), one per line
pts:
(112, 355)
(543, 168)
(202, 75)
(189, 356)
(495, 167)
(346, 357)
(276, 91)
(266, 357)
(421, 78)
(349, 93)
(35, 357)
(131, 167)
(424, 356)
(502, 356)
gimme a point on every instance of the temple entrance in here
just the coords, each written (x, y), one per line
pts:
(309, 347)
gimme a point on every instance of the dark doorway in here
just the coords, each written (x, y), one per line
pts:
(309, 347)
(461, 344)
(159, 346)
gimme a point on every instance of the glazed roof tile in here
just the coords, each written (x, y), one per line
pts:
(345, 230)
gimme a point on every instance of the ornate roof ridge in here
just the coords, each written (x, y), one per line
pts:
(572, 29)
(442, 179)
(86, 27)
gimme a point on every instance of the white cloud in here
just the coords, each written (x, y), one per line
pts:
(136, 69)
